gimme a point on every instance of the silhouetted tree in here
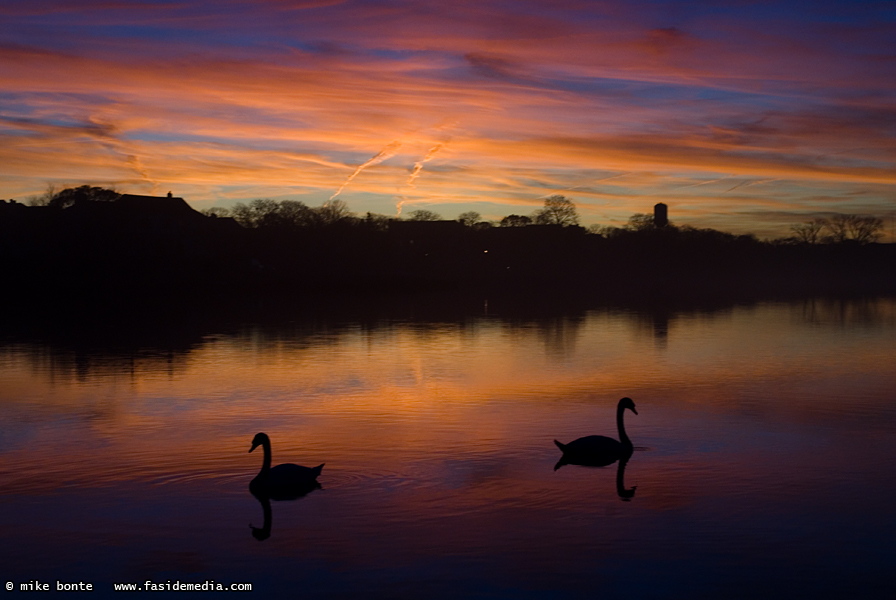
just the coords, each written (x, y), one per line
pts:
(261, 212)
(216, 211)
(861, 229)
(425, 215)
(288, 214)
(515, 221)
(808, 232)
(333, 211)
(469, 218)
(558, 210)
(377, 222)
(43, 199)
(85, 193)
(868, 229)
(640, 222)
(293, 213)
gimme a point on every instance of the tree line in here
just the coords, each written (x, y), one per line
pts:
(83, 239)
(264, 213)
(267, 213)
(838, 229)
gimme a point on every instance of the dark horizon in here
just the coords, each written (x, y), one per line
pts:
(131, 245)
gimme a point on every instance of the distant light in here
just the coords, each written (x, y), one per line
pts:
(485, 251)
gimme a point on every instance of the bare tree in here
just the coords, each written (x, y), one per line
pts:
(377, 222)
(333, 211)
(267, 213)
(425, 215)
(295, 213)
(216, 211)
(469, 218)
(809, 232)
(558, 210)
(858, 228)
(640, 222)
(261, 212)
(837, 228)
(866, 230)
(43, 199)
(602, 230)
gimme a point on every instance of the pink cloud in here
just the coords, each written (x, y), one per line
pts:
(538, 100)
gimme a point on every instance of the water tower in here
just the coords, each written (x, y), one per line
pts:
(660, 215)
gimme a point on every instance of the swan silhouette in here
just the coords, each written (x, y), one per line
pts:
(283, 482)
(598, 450)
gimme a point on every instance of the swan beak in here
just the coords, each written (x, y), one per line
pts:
(254, 446)
(633, 410)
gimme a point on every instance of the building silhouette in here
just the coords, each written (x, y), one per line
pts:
(660, 215)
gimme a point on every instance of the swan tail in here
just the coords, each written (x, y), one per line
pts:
(318, 469)
(561, 446)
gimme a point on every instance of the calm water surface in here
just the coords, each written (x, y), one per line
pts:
(765, 461)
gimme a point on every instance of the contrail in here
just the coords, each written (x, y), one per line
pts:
(383, 154)
(744, 182)
(748, 183)
(135, 163)
(705, 182)
(578, 187)
(418, 166)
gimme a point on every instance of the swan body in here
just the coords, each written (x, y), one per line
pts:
(599, 450)
(283, 482)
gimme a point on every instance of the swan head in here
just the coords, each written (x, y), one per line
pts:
(259, 440)
(627, 403)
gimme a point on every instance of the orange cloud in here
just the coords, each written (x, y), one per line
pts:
(544, 102)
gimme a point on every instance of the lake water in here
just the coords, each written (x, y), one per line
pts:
(765, 461)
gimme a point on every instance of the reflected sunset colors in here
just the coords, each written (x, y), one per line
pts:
(761, 462)
(757, 427)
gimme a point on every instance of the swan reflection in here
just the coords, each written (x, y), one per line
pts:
(623, 493)
(621, 490)
(264, 532)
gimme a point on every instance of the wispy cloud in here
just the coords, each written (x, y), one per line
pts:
(542, 96)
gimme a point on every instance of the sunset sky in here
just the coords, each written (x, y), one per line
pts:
(742, 116)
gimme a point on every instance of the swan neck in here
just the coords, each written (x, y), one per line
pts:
(620, 410)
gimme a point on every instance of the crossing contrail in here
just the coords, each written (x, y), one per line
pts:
(383, 154)
(418, 166)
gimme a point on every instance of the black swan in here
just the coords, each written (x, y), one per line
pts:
(283, 482)
(597, 450)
